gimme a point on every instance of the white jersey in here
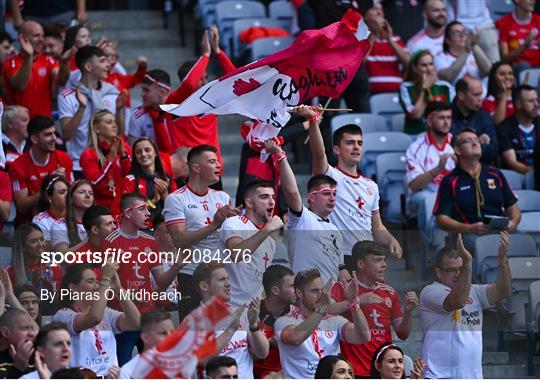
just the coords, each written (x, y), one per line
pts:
(141, 124)
(59, 233)
(444, 60)
(300, 362)
(422, 41)
(67, 107)
(452, 344)
(314, 243)
(196, 211)
(357, 200)
(93, 348)
(246, 275)
(423, 155)
(238, 346)
(45, 221)
(127, 371)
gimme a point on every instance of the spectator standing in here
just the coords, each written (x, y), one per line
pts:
(432, 37)
(42, 159)
(467, 113)
(475, 16)
(451, 312)
(378, 301)
(501, 82)
(472, 191)
(518, 134)
(313, 328)
(422, 87)
(429, 158)
(461, 55)
(98, 224)
(519, 38)
(248, 237)
(32, 77)
(386, 55)
(194, 215)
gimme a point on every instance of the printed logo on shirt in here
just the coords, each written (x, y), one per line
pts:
(491, 184)
(463, 188)
(329, 334)
(388, 302)
(192, 206)
(107, 103)
(471, 318)
(42, 71)
(375, 317)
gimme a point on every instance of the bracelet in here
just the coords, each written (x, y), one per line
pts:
(254, 329)
(354, 305)
(280, 156)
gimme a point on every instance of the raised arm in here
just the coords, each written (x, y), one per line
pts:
(502, 287)
(286, 176)
(316, 142)
(358, 331)
(131, 320)
(20, 80)
(259, 345)
(450, 73)
(458, 296)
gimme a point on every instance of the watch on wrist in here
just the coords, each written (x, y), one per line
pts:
(254, 328)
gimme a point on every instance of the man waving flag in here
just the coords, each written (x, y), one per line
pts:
(318, 63)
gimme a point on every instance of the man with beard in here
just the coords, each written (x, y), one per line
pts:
(246, 245)
(278, 283)
(432, 37)
(429, 159)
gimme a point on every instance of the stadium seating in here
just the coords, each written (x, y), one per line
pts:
(500, 8)
(528, 200)
(398, 122)
(245, 23)
(368, 122)
(514, 179)
(529, 180)
(283, 11)
(390, 172)
(263, 47)
(386, 105)
(532, 314)
(533, 77)
(381, 142)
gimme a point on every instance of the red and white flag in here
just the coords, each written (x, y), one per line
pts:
(194, 340)
(318, 63)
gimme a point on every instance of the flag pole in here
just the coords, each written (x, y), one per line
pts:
(323, 109)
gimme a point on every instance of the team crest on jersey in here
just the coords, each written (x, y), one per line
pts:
(219, 205)
(491, 183)
(42, 71)
(107, 103)
(388, 302)
(329, 334)
(369, 191)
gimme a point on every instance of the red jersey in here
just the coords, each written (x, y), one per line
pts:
(379, 318)
(37, 94)
(88, 246)
(106, 179)
(41, 276)
(514, 34)
(490, 105)
(6, 194)
(191, 131)
(125, 82)
(382, 66)
(134, 275)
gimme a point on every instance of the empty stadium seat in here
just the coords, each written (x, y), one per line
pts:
(381, 142)
(263, 47)
(530, 222)
(230, 10)
(282, 11)
(533, 74)
(367, 121)
(486, 251)
(500, 8)
(390, 172)
(532, 313)
(529, 180)
(398, 122)
(514, 179)
(386, 105)
(528, 200)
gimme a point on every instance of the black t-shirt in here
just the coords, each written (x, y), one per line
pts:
(510, 136)
(328, 11)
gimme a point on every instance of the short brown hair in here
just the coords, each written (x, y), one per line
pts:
(366, 247)
(204, 273)
(305, 277)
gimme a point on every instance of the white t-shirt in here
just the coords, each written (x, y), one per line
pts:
(357, 200)
(127, 370)
(452, 344)
(245, 275)
(196, 211)
(314, 243)
(238, 347)
(141, 124)
(67, 107)
(59, 232)
(423, 155)
(45, 221)
(94, 348)
(444, 60)
(300, 362)
(421, 41)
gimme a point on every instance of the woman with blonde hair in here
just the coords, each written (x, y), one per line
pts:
(107, 159)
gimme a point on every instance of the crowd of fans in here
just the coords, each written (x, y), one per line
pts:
(84, 171)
